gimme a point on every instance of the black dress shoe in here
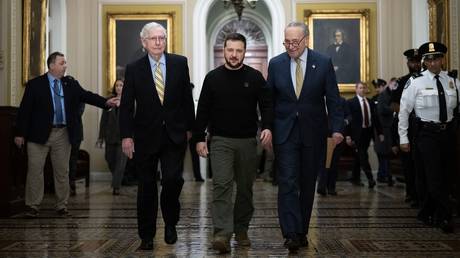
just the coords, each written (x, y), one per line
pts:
(447, 226)
(321, 192)
(303, 241)
(292, 242)
(170, 234)
(371, 184)
(426, 220)
(146, 245)
(332, 192)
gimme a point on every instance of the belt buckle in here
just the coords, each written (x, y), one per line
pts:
(442, 126)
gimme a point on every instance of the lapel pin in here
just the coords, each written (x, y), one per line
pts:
(246, 84)
(313, 66)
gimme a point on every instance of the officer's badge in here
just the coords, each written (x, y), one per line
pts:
(407, 84)
(451, 84)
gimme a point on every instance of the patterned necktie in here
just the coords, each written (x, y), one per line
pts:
(298, 77)
(159, 83)
(442, 100)
(366, 114)
(58, 103)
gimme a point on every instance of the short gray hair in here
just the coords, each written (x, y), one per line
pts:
(149, 26)
(301, 25)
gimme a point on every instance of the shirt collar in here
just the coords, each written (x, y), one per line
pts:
(431, 75)
(360, 98)
(51, 78)
(161, 61)
(303, 56)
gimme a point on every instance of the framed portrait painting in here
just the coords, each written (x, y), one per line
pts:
(124, 45)
(343, 36)
(34, 38)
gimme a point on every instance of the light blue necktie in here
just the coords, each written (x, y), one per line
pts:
(58, 103)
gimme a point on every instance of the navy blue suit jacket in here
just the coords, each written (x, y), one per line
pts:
(318, 91)
(36, 112)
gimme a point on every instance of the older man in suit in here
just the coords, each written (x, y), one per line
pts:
(48, 120)
(304, 85)
(156, 116)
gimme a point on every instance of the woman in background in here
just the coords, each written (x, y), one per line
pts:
(109, 132)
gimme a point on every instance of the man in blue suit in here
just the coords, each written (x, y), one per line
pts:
(305, 93)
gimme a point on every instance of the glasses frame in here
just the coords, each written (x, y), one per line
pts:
(294, 43)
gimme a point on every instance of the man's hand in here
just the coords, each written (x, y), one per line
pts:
(395, 150)
(189, 135)
(202, 149)
(338, 138)
(381, 137)
(127, 145)
(405, 147)
(113, 102)
(266, 138)
(19, 141)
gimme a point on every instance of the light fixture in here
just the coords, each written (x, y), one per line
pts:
(239, 5)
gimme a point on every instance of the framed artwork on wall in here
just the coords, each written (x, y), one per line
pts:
(34, 38)
(120, 33)
(343, 36)
(439, 24)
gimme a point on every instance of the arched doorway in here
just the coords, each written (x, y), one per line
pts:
(201, 45)
(256, 44)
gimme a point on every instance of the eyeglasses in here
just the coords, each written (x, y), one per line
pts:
(294, 43)
(160, 38)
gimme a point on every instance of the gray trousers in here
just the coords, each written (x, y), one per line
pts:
(58, 146)
(233, 160)
(116, 160)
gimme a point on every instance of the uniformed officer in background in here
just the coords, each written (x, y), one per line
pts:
(414, 66)
(433, 96)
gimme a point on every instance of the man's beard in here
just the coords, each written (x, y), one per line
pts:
(233, 66)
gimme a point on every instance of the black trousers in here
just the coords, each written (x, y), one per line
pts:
(171, 157)
(435, 152)
(361, 160)
(407, 161)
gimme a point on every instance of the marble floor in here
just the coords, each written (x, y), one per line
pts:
(356, 223)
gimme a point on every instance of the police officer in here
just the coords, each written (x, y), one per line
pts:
(414, 66)
(433, 96)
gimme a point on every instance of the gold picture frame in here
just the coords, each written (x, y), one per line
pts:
(351, 57)
(34, 38)
(439, 24)
(169, 15)
(117, 64)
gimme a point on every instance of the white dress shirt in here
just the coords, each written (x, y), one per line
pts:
(303, 63)
(421, 95)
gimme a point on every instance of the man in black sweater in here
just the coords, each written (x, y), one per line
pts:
(228, 108)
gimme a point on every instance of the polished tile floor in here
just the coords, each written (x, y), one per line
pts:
(356, 223)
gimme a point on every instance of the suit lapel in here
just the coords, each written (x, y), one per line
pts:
(170, 73)
(146, 73)
(309, 71)
(47, 90)
(286, 72)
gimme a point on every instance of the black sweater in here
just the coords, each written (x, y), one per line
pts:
(228, 104)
